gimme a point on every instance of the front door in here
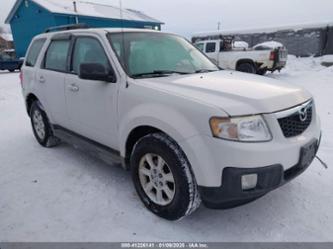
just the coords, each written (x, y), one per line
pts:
(91, 105)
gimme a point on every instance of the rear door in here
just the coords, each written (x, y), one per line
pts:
(51, 79)
(30, 66)
(91, 105)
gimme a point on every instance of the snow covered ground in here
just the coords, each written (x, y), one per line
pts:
(62, 194)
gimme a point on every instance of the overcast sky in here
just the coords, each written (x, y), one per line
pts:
(186, 17)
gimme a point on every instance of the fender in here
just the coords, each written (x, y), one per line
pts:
(173, 123)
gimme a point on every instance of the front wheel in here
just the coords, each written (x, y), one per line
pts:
(163, 178)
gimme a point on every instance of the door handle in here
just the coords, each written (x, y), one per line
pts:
(41, 79)
(73, 88)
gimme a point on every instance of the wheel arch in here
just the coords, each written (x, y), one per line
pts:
(30, 99)
(242, 61)
(134, 136)
(144, 125)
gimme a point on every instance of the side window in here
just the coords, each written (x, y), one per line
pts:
(210, 47)
(88, 50)
(200, 46)
(34, 52)
(56, 55)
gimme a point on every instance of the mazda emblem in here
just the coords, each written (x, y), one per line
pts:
(303, 114)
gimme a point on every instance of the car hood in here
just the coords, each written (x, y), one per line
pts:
(235, 93)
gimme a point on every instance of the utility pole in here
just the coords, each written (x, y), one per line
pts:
(75, 10)
(218, 25)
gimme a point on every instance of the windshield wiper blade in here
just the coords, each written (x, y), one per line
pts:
(205, 71)
(159, 73)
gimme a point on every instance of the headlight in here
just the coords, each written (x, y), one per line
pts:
(244, 129)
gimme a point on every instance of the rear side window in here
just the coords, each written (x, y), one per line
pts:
(34, 52)
(56, 55)
(211, 47)
(88, 50)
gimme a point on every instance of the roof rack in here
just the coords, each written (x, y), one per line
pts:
(67, 27)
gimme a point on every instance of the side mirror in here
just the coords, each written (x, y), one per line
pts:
(96, 71)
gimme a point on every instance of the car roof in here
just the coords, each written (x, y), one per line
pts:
(96, 31)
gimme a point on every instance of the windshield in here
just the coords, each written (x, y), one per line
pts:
(5, 57)
(145, 54)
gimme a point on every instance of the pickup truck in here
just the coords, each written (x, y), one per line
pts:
(227, 54)
(9, 63)
(153, 103)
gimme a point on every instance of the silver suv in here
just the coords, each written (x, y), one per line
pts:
(152, 102)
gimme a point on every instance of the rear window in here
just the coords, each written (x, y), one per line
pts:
(34, 52)
(211, 47)
(56, 55)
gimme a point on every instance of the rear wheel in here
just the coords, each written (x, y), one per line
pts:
(41, 126)
(246, 68)
(162, 177)
(11, 70)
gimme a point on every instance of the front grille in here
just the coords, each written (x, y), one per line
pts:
(296, 123)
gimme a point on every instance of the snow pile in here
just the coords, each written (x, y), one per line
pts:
(241, 44)
(7, 37)
(269, 44)
(327, 60)
(307, 65)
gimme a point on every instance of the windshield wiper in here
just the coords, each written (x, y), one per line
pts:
(205, 71)
(158, 73)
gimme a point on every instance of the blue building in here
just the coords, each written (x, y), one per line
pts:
(31, 17)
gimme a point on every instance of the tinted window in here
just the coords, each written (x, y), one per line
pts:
(34, 52)
(211, 47)
(88, 50)
(56, 55)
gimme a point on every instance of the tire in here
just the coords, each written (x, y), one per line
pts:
(183, 198)
(41, 126)
(246, 68)
(262, 72)
(11, 70)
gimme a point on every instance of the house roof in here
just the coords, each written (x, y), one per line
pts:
(7, 37)
(85, 8)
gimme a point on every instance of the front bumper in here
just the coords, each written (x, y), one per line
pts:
(231, 194)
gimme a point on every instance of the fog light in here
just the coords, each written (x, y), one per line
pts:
(249, 181)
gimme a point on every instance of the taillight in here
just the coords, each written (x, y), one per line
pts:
(272, 56)
(21, 78)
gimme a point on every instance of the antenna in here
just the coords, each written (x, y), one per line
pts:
(121, 11)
